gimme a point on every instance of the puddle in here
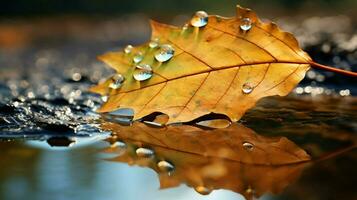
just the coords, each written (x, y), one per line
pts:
(186, 161)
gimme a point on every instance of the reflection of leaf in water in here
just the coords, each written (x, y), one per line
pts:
(212, 159)
(318, 125)
(231, 143)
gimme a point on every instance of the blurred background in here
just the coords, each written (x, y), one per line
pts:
(66, 36)
(24, 21)
(171, 7)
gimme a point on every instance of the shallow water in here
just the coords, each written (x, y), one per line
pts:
(98, 167)
(54, 146)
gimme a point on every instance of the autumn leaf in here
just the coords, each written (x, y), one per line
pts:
(234, 158)
(212, 65)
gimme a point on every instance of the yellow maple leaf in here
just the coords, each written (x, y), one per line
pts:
(211, 65)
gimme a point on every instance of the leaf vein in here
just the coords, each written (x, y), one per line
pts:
(266, 51)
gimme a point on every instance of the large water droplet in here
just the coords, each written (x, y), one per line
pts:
(144, 152)
(247, 88)
(138, 57)
(245, 24)
(154, 43)
(117, 81)
(200, 19)
(203, 190)
(165, 166)
(142, 72)
(128, 49)
(248, 146)
(165, 53)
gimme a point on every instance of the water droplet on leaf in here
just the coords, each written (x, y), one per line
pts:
(248, 146)
(200, 19)
(142, 72)
(203, 190)
(165, 166)
(118, 144)
(144, 152)
(165, 53)
(128, 49)
(138, 57)
(245, 24)
(247, 88)
(154, 43)
(117, 81)
(104, 98)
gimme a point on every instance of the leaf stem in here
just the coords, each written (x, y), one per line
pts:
(332, 69)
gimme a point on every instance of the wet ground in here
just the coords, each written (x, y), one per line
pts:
(54, 145)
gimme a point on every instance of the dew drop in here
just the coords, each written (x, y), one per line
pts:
(165, 53)
(154, 43)
(165, 166)
(117, 81)
(245, 24)
(247, 88)
(128, 49)
(104, 98)
(200, 19)
(118, 144)
(203, 190)
(142, 72)
(138, 57)
(144, 152)
(248, 146)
